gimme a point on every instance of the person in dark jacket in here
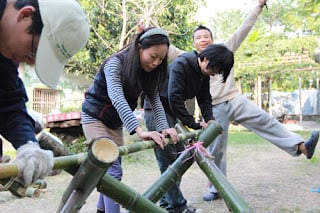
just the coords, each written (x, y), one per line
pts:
(41, 32)
(188, 78)
(110, 101)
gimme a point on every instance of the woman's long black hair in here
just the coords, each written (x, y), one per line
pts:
(134, 78)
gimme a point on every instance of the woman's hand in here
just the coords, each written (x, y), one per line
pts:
(157, 137)
(172, 133)
(204, 125)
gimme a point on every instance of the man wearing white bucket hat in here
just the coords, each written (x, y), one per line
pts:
(45, 33)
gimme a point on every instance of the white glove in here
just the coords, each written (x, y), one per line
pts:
(33, 163)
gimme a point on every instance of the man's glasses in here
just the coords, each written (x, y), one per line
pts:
(32, 53)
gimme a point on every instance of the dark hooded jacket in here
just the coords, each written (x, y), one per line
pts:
(12, 91)
(13, 98)
(186, 81)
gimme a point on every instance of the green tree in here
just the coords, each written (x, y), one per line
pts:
(114, 24)
(223, 24)
(269, 57)
(270, 45)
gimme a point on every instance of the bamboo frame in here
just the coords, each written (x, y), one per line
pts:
(181, 164)
(86, 166)
(101, 155)
(231, 197)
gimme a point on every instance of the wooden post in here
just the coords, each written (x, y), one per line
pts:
(300, 100)
(259, 92)
(270, 95)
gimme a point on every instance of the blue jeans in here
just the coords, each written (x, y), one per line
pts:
(165, 157)
(104, 202)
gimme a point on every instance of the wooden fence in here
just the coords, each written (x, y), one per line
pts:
(45, 100)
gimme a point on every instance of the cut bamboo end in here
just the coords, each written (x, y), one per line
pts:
(105, 150)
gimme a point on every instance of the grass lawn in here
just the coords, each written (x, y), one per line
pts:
(248, 137)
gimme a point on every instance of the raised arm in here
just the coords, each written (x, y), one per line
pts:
(241, 33)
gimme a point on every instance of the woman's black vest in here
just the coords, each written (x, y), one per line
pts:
(98, 104)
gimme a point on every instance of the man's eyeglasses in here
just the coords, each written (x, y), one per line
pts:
(32, 53)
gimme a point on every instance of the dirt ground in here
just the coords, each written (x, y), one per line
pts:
(268, 179)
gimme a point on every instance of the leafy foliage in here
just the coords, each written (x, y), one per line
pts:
(274, 36)
(270, 47)
(114, 24)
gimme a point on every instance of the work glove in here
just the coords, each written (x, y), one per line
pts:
(33, 163)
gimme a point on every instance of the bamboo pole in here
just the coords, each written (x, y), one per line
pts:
(8, 170)
(181, 164)
(50, 142)
(181, 128)
(231, 197)
(101, 155)
(69, 161)
(108, 185)
(126, 196)
(150, 144)
(233, 200)
(170, 176)
(113, 188)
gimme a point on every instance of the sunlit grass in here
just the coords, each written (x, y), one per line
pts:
(234, 138)
(248, 137)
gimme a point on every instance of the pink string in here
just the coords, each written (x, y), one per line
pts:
(198, 148)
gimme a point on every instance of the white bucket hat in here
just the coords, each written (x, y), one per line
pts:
(65, 32)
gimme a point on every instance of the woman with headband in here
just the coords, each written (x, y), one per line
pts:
(110, 101)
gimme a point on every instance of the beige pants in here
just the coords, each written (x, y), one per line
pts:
(98, 129)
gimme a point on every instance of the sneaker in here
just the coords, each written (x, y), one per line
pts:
(163, 204)
(210, 197)
(190, 209)
(311, 143)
